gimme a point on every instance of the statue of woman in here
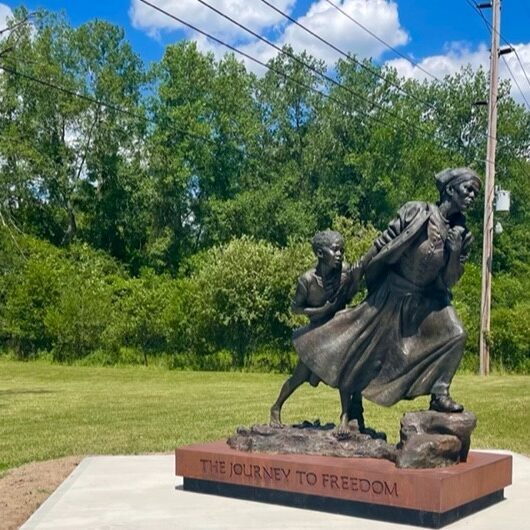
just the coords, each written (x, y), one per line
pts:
(404, 340)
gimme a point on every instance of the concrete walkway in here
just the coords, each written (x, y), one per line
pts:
(138, 492)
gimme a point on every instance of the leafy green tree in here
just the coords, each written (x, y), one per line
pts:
(207, 172)
(178, 145)
(114, 191)
(72, 166)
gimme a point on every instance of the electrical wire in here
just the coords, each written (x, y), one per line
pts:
(298, 60)
(320, 38)
(474, 6)
(202, 138)
(382, 41)
(522, 66)
(244, 54)
(347, 15)
(286, 76)
(285, 15)
(95, 101)
(515, 80)
(19, 23)
(505, 42)
(489, 27)
(346, 55)
(122, 110)
(267, 66)
(144, 118)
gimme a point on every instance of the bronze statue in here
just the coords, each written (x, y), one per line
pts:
(404, 340)
(320, 293)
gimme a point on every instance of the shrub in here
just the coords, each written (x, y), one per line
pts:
(236, 298)
(510, 338)
(140, 313)
(466, 299)
(56, 299)
(77, 321)
(231, 310)
(30, 290)
(272, 360)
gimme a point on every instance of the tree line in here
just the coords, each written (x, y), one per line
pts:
(165, 210)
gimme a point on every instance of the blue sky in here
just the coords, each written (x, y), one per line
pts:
(440, 36)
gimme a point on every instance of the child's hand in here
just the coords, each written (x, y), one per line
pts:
(356, 273)
(353, 283)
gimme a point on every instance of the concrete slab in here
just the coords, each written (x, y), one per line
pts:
(141, 492)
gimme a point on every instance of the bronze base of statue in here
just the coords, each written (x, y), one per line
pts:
(362, 487)
(428, 439)
(312, 438)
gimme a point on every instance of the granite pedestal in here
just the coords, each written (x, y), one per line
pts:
(363, 487)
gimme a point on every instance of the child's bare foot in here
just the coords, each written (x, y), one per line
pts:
(275, 419)
(343, 431)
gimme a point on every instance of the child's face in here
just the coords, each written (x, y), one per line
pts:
(332, 255)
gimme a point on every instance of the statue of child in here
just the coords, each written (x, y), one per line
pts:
(321, 292)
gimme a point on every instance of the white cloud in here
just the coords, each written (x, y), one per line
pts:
(5, 13)
(459, 55)
(255, 15)
(380, 16)
(523, 52)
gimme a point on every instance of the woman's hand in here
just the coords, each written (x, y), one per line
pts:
(454, 239)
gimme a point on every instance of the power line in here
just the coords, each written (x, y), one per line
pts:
(338, 8)
(474, 6)
(267, 66)
(234, 49)
(507, 44)
(379, 39)
(491, 29)
(95, 101)
(522, 66)
(291, 19)
(515, 80)
(347, 55)
(122, 110)
(299, 61)
(19, 23)
(347, 15)
(283, 74)
(245, 54)
(144, 118)
(187, 133)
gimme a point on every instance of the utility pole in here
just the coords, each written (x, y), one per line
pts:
(489, 192)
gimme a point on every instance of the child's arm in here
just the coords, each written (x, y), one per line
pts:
(354, 280)
(350, 285)
(300, 305)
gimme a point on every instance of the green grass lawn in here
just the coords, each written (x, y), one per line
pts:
(48, 411)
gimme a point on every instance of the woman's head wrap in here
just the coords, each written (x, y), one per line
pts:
(456, 176)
